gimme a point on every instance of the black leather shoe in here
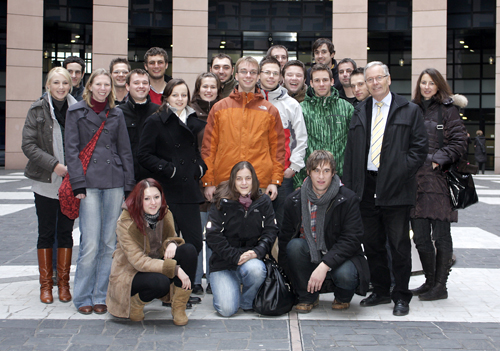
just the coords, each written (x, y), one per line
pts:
(197, 289)
(374, 300)
(194, 300)
(401, 308)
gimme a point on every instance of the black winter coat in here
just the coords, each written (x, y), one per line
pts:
(111, 165)
(169, 149)
(433, 196)
(404, 149)
(343, 234)
(231, 231)
(480, 148)
(135, 117)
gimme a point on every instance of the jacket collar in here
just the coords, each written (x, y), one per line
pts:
(312, 98)
(247, 97)
(279, 93)
(167, 113)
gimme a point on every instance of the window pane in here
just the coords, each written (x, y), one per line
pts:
(488, 86)
(484, 20)
(488, 101)
(288, 24)
(254, 23)
(459, 21)
(466, 87)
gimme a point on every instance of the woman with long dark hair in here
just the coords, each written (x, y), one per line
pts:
(101, 189)
(432, 216)
(149, 256)
(241, 231)
(43, 145)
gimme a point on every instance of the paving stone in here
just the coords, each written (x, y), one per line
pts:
(269, 344)
(88, 348)
(234, 335)
(478, 344)
(13, 341)
(232, 345)
(439, 344)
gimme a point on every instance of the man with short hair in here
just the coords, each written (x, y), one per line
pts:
(386, 146)
(244, 127)
(327, 118)
(358, 85)
(222, 66)
(119, 68)
(294, 79)
(280, 53)
(76, 68)
(345, 68)
(136, 110)
(320, 240)
(156, 63)
(293, 126)
(324, 53)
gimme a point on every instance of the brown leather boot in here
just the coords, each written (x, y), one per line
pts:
(137, 308)
(179, 301)
(63, 268)
(45, 268)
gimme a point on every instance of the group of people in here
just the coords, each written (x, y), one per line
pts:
(321, 160)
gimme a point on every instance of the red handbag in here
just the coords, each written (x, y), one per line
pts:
(70, 205)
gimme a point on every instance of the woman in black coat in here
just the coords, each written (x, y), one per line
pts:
(480, 150)
(169, 149)
(433, 214)
(241, 231)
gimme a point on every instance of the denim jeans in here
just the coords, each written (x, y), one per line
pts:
(226, 287)
(99, 212)
(207, 251)
(345, 278)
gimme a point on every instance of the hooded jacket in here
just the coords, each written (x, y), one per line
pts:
(404, 149)
(433, 195)
(293, 125)
(327, 121)
(244, 127)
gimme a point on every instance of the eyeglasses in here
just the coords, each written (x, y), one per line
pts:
(244, 72)
(271, 73)
(378, 79)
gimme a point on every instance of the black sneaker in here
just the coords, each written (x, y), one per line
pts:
(209, 289)
(197, 289)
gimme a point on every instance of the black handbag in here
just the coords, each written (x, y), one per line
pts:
(275, 296)
(459, 176)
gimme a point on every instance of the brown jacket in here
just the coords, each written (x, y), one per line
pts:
(131, 256)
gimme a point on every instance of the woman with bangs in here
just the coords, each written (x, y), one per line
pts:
(149, 257)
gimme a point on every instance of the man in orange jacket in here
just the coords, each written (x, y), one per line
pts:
(244, 127)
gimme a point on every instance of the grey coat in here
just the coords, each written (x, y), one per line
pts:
(111, 165)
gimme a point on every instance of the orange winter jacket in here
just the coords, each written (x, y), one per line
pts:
(244, 127)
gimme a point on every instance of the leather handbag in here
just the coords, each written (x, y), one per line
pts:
(275, 296)
(70, 205)
(459, 177)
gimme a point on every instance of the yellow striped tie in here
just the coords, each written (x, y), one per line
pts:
(377, 136)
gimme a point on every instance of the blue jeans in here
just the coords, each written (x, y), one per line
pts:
(208, 253)
(345, 278)
(99, 212)
(226, 287)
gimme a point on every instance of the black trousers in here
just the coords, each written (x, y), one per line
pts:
(50, 221)
(381, 225)
(152, 286)
(188, 221)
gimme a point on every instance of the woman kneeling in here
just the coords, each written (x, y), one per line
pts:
(148, 257)
(241, 230)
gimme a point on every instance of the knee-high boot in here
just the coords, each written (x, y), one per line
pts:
(63, 268)
(428, 260)
(45, 268)
(443, 264)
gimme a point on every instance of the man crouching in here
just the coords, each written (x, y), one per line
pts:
(321, 237)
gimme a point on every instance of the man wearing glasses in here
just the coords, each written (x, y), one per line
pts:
(293, 125)
(119, 69)
(244, 127)
(386, 145)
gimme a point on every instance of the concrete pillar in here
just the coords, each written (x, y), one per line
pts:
(350, 30)
(109, 32)
(497, 93)
(23, 72)
(189, 39)
(429, 36)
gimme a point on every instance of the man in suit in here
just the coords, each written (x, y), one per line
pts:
(386, 145)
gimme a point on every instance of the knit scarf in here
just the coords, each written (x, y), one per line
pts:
(152, 219)
(316, 247)
(246, 201)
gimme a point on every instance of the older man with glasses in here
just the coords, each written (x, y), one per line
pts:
(386, 145)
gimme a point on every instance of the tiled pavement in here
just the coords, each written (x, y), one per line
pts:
(468, 320)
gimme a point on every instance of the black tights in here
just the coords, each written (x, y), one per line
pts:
(152, 286)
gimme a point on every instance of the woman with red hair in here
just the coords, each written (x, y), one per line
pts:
(149, 256)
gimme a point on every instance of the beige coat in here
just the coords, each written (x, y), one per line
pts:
(131, 256)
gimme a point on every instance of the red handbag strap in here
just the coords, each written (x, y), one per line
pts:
(88, 150)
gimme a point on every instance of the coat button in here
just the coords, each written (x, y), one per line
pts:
(133, 124)
(108, 161)
(192, 144)
(95, 160)
(107, 146)
(194, 160)
(177, 145)
(93, 131)
(160, 167)
(106, 131)
(181, 162)
(184, 179)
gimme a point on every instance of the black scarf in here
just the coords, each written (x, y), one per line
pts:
(152, 220)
